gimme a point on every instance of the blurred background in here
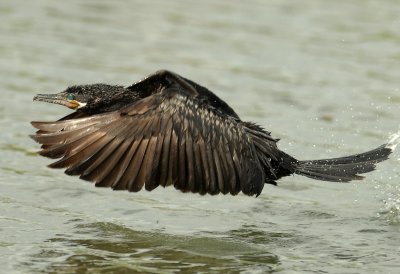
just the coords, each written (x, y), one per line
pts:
(321, 75)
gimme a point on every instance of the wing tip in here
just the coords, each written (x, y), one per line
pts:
(38, 124)
(33, 137)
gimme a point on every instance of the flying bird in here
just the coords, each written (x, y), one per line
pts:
(168, 130)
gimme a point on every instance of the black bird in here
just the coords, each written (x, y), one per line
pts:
(168, 130)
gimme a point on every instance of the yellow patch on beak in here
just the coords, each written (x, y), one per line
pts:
(72, 104)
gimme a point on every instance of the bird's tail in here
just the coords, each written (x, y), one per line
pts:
(345, 169)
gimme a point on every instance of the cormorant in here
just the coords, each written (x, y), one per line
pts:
(168, 130)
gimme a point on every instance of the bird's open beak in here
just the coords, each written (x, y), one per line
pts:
(57, 99)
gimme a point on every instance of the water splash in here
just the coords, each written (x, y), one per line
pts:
(391, 189)
(394, 140)
(391, 208)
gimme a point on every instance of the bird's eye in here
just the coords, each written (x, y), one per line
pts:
(70, 97)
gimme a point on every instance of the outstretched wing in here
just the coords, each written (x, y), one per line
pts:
(168, 138)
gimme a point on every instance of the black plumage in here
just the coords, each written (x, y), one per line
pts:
(167, 130)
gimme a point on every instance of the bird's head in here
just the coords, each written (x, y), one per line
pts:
(95, 98)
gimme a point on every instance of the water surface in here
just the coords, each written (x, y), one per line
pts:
(321, 75)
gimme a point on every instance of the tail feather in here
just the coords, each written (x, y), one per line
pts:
(345, 169)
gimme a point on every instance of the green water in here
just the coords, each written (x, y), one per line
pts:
(321, 75)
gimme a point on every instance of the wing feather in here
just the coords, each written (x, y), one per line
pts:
(165, 154)
(122, 181)
(190, 181)
(198, 169)
(181, 179)
(205, 166)
(213, 172)
(168, 138)
(110, 168)
(75, 152)
(224, 167)
(147, 167)
(135, 165)
(106, 154)
(173, 170)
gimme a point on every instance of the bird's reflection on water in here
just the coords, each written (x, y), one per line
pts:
(105, 247)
